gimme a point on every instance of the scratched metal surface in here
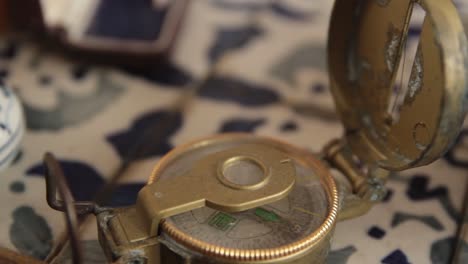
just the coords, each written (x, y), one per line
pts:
(274, 83)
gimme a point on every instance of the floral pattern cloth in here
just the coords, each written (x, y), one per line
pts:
(270, 79)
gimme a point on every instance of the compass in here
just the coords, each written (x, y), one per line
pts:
(242, 198)
(263, 232)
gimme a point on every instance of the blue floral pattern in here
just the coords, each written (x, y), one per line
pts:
(274, 82)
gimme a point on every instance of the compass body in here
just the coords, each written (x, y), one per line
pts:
(308, 209)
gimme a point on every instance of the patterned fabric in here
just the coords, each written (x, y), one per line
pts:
(11, 126)
(274, 82)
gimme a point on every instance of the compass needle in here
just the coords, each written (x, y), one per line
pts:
(307, 211)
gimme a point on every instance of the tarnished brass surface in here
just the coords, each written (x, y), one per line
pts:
(365, 45)
(367, 188)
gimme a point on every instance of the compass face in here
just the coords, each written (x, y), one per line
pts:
(277, 224)
(273, 225)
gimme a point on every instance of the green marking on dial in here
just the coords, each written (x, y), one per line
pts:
(222, 221)
(267, 216)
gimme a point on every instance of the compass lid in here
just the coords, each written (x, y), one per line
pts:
(398, 127)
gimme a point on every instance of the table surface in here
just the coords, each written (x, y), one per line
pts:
(274, 82)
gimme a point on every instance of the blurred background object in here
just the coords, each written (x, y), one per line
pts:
(136, 33)
(11, 126)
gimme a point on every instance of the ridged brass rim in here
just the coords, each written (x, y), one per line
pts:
(249, 255)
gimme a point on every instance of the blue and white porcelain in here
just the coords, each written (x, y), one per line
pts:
(11, 126)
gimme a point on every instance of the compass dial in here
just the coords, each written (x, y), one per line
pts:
(274, 225)
(278, 224)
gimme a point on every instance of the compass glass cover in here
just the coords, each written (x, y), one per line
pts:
(277, 224)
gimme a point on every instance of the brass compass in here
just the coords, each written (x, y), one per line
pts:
(241, 198)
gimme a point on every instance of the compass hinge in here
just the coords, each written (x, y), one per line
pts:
(367, 181)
